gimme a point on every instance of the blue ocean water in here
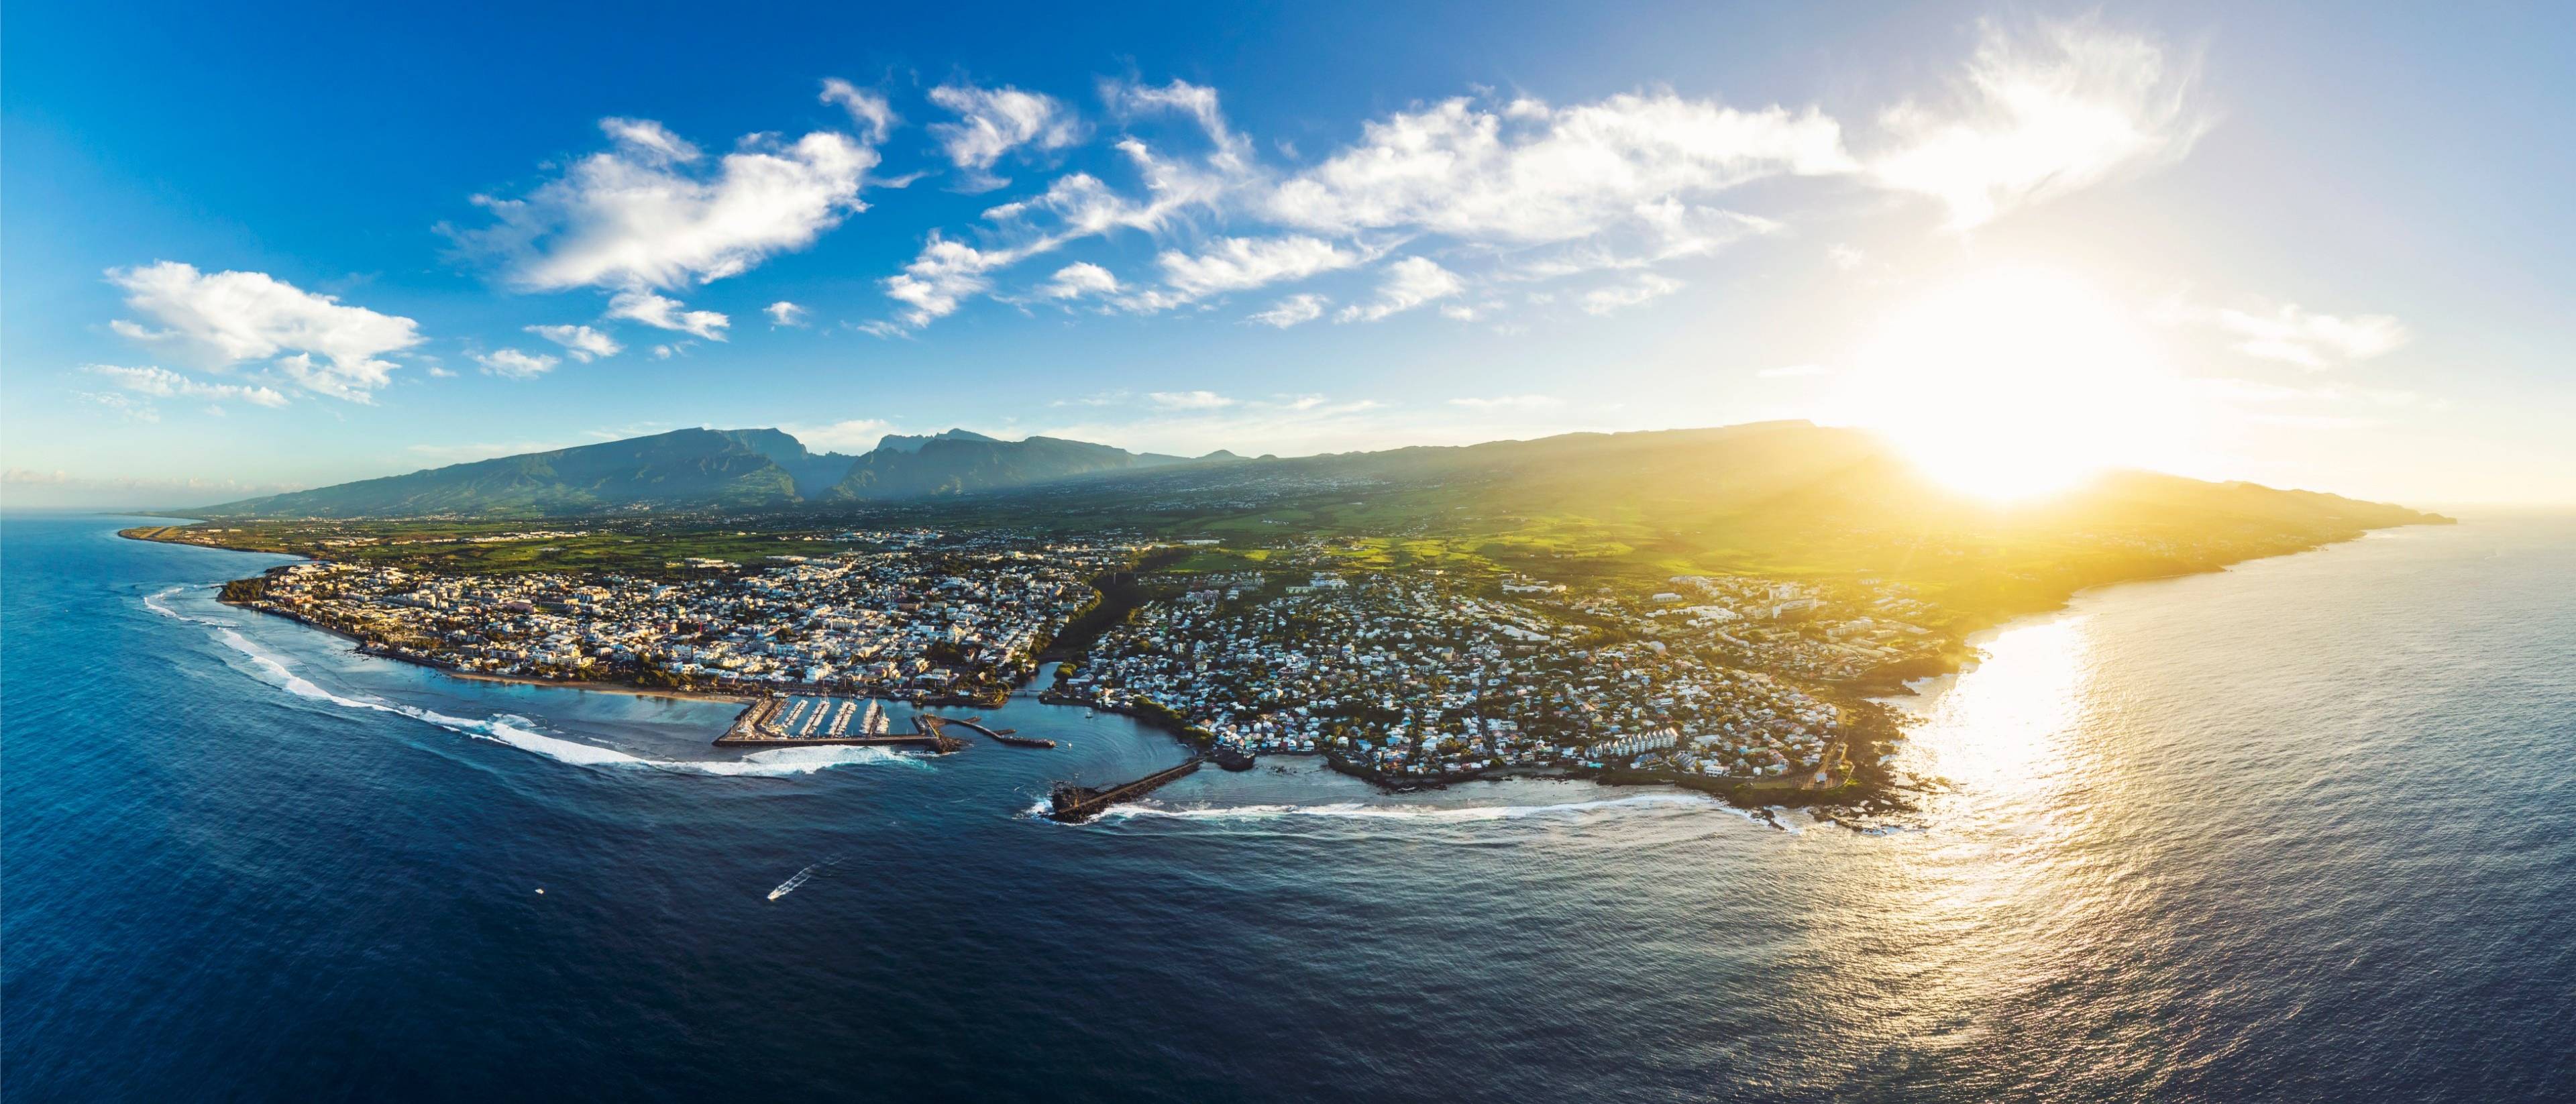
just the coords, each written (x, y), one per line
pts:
(2302, 830)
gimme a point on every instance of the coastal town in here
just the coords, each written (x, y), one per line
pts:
(959, 620)
(1407, 676)
(1422, 679)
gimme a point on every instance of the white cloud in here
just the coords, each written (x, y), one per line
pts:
(232, 317)
(1647, 286)
(1079, 279)
(667, 313)
(166, 384)
(1409, 283)
(2310, 340)
(1793, 371)
(1075, 206)
(1189, 400)
(1233, 151)
(1532, 174)
(994, 121)
(646, 214)
(586, 344)
(1235, 264)
(2038, 116)
(942, 277)
(784, 313)
(127, 406)
(851, 435)
(875, 118)
(648, 140)
(513, 364)
(1291, 311)
(1510, 402)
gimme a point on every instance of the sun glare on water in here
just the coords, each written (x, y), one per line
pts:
(2015, 384)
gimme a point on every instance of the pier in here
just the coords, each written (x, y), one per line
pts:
(999, 735)
(1073, 803)
(801, 722)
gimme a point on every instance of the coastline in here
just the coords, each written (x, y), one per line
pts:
(1866, 785)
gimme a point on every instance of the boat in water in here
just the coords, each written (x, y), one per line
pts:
(789, 886)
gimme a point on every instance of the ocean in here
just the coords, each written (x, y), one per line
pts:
(2303, 830)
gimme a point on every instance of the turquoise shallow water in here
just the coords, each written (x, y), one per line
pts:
(2302, 830)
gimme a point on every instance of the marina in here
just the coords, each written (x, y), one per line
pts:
(815, 720)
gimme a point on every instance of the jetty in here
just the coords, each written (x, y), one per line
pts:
(799, 722)
(1073, 803)
(999, 735)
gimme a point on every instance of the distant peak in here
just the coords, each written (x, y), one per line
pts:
(904, 442)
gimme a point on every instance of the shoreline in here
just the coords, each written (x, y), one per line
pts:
(1867, 786)
(365, 647)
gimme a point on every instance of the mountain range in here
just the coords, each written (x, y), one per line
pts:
(1796, 492)
(704, 469)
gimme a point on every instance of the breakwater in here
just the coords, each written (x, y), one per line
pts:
(1071, 802)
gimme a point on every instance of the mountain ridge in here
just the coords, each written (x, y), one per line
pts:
(699, 469)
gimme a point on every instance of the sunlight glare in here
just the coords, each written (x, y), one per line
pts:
(2013, 384)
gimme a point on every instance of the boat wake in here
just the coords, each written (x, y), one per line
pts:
(520, 732)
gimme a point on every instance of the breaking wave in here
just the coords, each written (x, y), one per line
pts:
(520, 732)
(153, 602)
(1436, 814)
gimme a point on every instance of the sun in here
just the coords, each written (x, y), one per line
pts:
(2013, 384)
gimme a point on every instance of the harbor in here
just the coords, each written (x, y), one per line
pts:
(805, 720)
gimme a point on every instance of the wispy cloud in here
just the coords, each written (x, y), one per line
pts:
(1525, 172)
(1237, 264)
(2292, 335)
(580, 342)
(1646, 287)
(514, 364)
(1189, 400)
(1291, 311)
(994, 121)
(664, 312)
(2040, 114)
(166, 384)
(1409, 283)
(1078, 280)
(1616, 183)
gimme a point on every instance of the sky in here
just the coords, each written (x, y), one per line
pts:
(249, 248)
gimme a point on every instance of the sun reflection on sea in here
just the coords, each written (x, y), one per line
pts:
(2003, 727)
(1987, 903)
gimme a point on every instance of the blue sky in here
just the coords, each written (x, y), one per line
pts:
(2324, 246)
